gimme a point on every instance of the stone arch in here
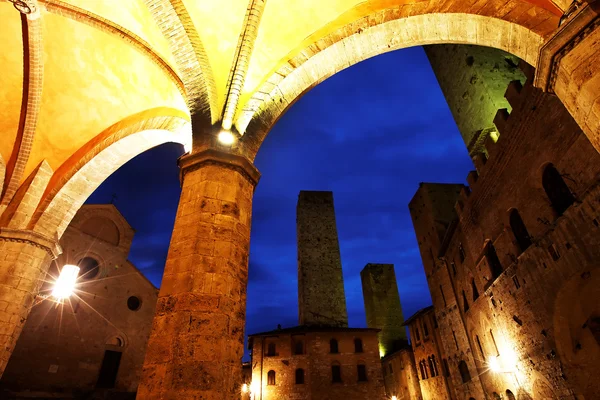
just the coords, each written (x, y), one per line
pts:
(82, 173)
(287, 84)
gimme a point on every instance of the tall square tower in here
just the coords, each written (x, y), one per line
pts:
(382, 306)
(321, 297)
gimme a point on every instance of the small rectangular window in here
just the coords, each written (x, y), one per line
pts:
(553, 252)
(362, 372)
(336, 374)
(516, 281)
(417, 334)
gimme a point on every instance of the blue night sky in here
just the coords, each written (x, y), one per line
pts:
(370, 134)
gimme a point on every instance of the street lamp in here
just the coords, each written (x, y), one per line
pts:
(65, 284)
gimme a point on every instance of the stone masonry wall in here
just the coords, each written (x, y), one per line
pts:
(382, 305)
(321, 297)
(473, 80)
(535, 323)
(316, 363)
(400, 376)
(61, 348)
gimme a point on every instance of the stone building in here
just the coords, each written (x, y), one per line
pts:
(97, 339)
(321, 358)
(384, 312)
(429, 356)
(512, 260)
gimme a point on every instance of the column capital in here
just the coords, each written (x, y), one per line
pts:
(579, 23)
(194, 161)
(51, 246)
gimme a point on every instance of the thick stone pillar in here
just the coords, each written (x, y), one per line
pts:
(196, 344)
(24, 260)
(569, 66)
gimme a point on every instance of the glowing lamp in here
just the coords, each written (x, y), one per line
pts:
(253, 387)
(394, 398)
(64, 285)
(494, 364)
(226, 137)
(244, 388)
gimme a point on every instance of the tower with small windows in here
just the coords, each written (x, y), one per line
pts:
(321, 297)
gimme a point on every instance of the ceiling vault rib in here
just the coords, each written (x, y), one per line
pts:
(78, 14)
(33, 73)
(242, 60)
(177, 27)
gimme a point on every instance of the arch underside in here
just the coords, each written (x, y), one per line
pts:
(286, 85)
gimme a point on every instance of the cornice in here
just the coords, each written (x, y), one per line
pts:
(51, 246)
(230, 161)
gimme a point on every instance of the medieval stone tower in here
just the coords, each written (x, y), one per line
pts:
(321, 298)
(382, 305)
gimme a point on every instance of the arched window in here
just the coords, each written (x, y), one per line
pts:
(299, 376)
(431, 370)
(271, 349)
(88, 268)
(519, 230)
(336, 373)
(557, 190)
(446, 369)
(358, 345)
(474, 289)
(466, 303)
(361, 370)
(510, 395)
(271, 377)
(333, 346)
(435, 367)
(496, 396)
(417, 334)
(464, 371)
(493, 261)
(299, 347)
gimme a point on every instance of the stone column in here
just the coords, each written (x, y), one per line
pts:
(569, 66)
(196, 344)
(24, 260)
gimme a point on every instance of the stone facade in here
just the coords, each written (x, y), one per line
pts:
(473, 80)
(382, 306)
(400, 375)
(63, 348)
(283, 353)
(429, 356)
(321, 298)
(515, 280)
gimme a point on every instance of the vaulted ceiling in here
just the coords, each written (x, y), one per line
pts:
(78, 72)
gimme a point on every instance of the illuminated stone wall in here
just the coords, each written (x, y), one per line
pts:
(321, 297)
(62, 348)
(400, 375)
(382, 306)
(316, 361)
(473, 80)
(531, 329)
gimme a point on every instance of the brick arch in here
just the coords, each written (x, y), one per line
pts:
(82, 173)
(330, 55)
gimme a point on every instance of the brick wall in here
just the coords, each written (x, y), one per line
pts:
(316, 361)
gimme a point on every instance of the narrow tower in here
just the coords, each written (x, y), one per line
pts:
(321, 298)
(382, 306)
